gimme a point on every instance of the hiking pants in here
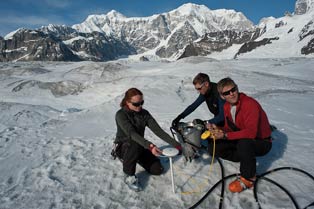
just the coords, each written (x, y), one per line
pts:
(243, 151)
(132, 153)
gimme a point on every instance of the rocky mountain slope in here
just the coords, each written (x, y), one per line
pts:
(190, 30)
(288, 36)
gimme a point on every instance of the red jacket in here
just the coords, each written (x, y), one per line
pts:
(251, 119)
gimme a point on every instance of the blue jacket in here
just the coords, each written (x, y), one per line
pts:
(214, 103)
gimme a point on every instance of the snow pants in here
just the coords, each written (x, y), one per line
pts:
(131, 153)
(243, 151)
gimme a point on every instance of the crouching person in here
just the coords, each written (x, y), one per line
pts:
(132, 147)
(245, 135)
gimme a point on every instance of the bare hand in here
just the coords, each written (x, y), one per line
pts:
(210, 126)
(156, 151)
(218, 134)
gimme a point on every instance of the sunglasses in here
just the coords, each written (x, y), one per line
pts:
(137, 104)
(200, 88)
(226, 93)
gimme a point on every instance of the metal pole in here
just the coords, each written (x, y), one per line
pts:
(171, 171)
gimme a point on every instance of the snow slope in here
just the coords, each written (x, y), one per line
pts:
(55, 151)
(288, 30)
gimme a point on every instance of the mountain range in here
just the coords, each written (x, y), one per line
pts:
(190, 30)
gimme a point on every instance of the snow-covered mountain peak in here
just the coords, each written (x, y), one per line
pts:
(91, 24)
(200, 17)
(189, 30)
(196, 10)
(191, 9)
(11, 34)
(100, 23)
(113, 14)
(265, 20)
(56, 29)
(95, 18)
(232, 15)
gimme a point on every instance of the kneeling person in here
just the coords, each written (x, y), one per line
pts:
(246, 133)
(132, 147)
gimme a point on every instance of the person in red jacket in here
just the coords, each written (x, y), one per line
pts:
(245, 135)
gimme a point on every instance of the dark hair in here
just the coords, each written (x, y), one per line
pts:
(225, 82)
(201, 78)
(129, 94)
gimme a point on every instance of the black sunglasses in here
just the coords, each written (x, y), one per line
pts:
(226, 93)
(199, 88)
(137, 104)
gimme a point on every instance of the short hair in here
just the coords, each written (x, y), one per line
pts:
(201, 78)
(225, 82)
(129, 94)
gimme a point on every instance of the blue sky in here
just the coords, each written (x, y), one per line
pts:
(32, 14)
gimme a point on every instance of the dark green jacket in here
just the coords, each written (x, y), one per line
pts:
(131, 126)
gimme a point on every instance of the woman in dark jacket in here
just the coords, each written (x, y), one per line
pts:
(132, 147)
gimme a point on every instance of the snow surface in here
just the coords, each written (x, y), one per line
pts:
(55, 151)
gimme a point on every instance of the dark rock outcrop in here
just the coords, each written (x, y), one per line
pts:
(61, 44)
(309, 48)
(249, 46)
(218, 41)
(302, 6)
(291, 29)
(58, 89)
(308, 29)
(178, 41)
(279, 24)
(144, 59)
(27, 45)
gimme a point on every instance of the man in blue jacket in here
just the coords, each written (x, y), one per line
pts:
(207, 93)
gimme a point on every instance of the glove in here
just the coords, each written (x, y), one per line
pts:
(176, 121)
(198, 121)
(188, 151)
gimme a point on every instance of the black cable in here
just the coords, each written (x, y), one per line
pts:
(173, 131)
(262, 176)
(281, 187)
(288, 168)
(211, 189)
(222, 193)
(311, 204)
(222, 181)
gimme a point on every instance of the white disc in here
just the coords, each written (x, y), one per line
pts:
(170, 152)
